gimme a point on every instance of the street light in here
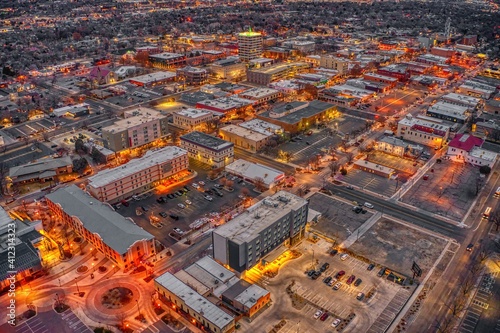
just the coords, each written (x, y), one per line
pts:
(77, 288)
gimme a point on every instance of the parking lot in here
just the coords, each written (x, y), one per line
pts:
(198, 208)
(367, 181)
(448, 189)
(382, 299)
(50, 321)
(401, 165)
(338, 220)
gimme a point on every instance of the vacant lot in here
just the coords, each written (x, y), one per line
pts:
(448, 191)
(337, 220)
(396, 246)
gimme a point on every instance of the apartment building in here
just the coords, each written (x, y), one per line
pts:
(339, 64)
(208, 149)
(167, 60)
(117, 237)
(193, 119)
(192, 75)
(249, 45)
(266, 75)
(277, 220)
(138, 175)
(424, 130)
(140, 127)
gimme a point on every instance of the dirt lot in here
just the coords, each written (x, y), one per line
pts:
(396, 246)
(338, 221)
(400, 164)
(449, 191)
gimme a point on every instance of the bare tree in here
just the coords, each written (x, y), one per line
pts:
(350, 157)
(259, 183)
(334, 167)
(229, 184)
(245, 191)
(468, 285)
(456, 306)
(445, 325)
(495, 218)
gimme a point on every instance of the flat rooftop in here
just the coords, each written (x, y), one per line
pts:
(278, 68)
(194, 300)
(483, 154)
(261, 126)
(133, 121)
(252, 171)
(257, 93)
(444, 108)
(227, 103)
(167, 56)
(249, 224)
(151, 158)
(207, 141)
(381, 77)
(374, 166)
(244, 132)
(414, 123)
(116, 231)
(153, 77)
(464, 99)
(294, 112)
(193, 113)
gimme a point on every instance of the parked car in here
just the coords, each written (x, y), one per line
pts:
(179, 231)
(368, 205)
(324, 267)
(344, 256)
(351, 279)
(349, 187)
(170, 196)
(337, 286)
(125, 203)
(201, 182)
(357, 282)
(316, 275)
(469, 247)
(188, 202)
(144, 208)
(370, 267)
(160, 200)
(209, 198)
(324, 316)
(163, 214)
(381, 272)
(187, 188)
(339, 275)
(334, 252)
(327, 279)
(318, 314)
(175, 217)
(332, 282)
(209, 192)
(181, 205)
(336, 322)
(195, 185)
(360, 296)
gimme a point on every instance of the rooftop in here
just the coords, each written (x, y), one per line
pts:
(153, 77)
(249, 34)
(436, 126)
(167, 55)
(483, 154)
(278, 68)
(464, 99)
(374, 166)
(39, 167)
(244, 132)
(118, 232)
(193, 113)
(195, 301)
(151, 158)
(134, 118)
(261, 126)
(252, 170)
(393, 141)
(226, 103)
(250, 223)
(448, 109)
(294, 112)
(207, 141)
(465, 142)
(256, 93)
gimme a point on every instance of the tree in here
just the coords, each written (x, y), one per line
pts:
(495, 218)
(484, 170)
(80, 164)
(80, 147)
(97, 156)
(229, 184)
(343, 171)
(445, 325)
(334, 166)
(212, 174)
(259, 183)
(350, 157)
(245, 192)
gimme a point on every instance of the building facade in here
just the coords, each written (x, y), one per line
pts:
(167, 60)
(117, 237)
(208, 149)
(192, 75)
(339, 64)
(192, 119)
(228, 69)
(42, 170)
(424, 130)
(244, 138)
(249, 45)
(274, 221)
(266, 75)
(138, 175)
(140, 127)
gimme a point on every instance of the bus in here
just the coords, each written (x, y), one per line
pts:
(486, 213)
(497, 193)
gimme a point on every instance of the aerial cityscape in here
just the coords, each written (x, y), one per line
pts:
(260, 166)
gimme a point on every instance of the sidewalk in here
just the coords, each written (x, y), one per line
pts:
(360, 231)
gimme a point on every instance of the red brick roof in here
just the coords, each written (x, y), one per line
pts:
(465, 142)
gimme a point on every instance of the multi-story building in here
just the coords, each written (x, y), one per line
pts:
(277, 220)
(244, 138)
(228, 69)
(138, 175)
(391, 81)
(43, 170)
(261, 95)
(208, 149)
(193, 119)
(467, 148)
(266, 75)
(476, 89)
(249, 45)
(140, 127)
(298, 116)
(341, 65)
(462, 100)
(398, 71)
(226, 105)
(425, 130)
(452, 112)
(153, 79)
(117, 237)
(167, 60)
(261, 126)
(192, 75)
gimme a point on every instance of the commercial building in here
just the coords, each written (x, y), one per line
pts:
(193, 119)
(400, 72)
(261, 126)
(153, 79)
(277, 220)
(43, 170)
(260, 95)
(266, 75)
(208, 149)
(228, 69)
(244, 138)
(452, 112)
(341, 65)
(297, 116)
(374, 168)
(476, 89)
(462, 100)
(192, 75)
(138, 175)
(424, 130)
(433, 59)
(255, 172)
(73, 111)
(140, 127)
(391, 145)
(167, 60)
(249, 45)
(22, 239)
(226, 105)
(467, 148)
(117, 237)
(391, 81)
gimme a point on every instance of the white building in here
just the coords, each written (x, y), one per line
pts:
(447, 111)
(463, 100)
(424, 130)
(262, 126)
(467, 148)
(208, 149)
(260, 95)
(256, 172)
(192, 119)
(477, 89)
(138, 175)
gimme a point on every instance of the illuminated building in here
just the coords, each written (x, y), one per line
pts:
(193, 119)
(192, 75)
(266, 75)
(229, 68)
(425, 130)
(208, 149)
(467, 148)
(115, 236)
(331, 62)
(43, 170)
(249, 45)
(167, 60)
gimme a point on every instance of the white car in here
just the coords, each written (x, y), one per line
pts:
(344, 256)
(201, 182)
(181, 206)
(336, 322)
(188, 202)
(209, 198)
(332, 282)
(368, 205)
(318, 314)
(337, 286)
(195, 185)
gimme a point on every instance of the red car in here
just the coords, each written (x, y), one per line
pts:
(125, 203)
(339, 275)
(324, 316)
(351, 279)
